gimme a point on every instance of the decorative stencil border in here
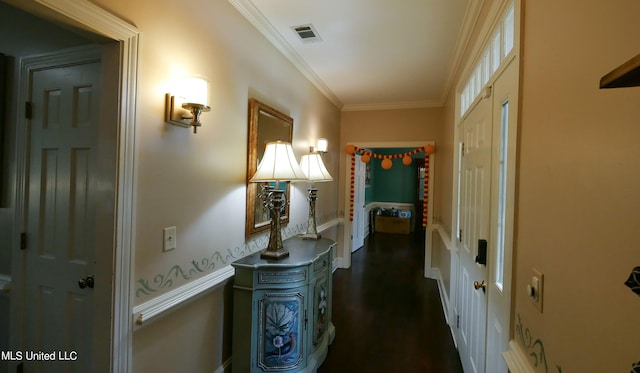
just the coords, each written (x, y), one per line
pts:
(535, 348)
(633, 282)
(218, 259)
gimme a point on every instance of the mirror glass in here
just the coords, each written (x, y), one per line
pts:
(266, 124)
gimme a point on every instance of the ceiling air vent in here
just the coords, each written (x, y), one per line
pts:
(307, 33)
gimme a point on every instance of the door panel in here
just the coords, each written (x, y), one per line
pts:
(61, 217)
(476, 178)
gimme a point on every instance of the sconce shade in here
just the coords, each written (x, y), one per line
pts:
(278, 164)
(191, 95)
(314, 168)
(322, 145)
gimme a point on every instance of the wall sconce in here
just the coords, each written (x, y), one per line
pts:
(321, 146)
(188, 102)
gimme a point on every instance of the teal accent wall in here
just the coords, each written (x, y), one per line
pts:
(368, 195)
(397, 184)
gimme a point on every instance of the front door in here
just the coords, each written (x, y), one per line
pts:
(486, 219)
(475, 203)
(67, 280)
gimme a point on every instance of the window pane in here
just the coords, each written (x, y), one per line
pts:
(495, 50)
(509, 31)
(502, 197)
(458, 224)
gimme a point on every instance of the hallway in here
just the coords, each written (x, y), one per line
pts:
(388, 317)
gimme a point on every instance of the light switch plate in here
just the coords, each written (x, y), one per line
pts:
(537, 282)
(169, 239)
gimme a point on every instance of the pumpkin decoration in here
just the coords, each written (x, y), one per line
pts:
(386, 163)
(350, 149)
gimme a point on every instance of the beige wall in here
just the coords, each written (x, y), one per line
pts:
(197, 182)
(578, 201)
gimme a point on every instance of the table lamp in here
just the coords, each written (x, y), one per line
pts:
(315, 171)
(278, 164)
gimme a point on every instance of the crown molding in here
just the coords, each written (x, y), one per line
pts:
(394, 105)
(260, 22)
(471, 16)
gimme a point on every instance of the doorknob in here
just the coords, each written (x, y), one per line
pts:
(480, 285)
(87, 282)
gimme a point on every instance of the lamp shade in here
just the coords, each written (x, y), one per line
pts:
(278, 164)
(314, 168)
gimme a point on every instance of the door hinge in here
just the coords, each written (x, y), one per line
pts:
(460, 235)
(28, 110)
(458, 321)
(462, 150)
(23, 241)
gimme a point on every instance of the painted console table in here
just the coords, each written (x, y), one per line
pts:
(282, 309)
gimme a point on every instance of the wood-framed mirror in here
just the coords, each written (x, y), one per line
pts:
(266, 124)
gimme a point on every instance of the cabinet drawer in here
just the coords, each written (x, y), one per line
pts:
(321, 264)
(282, 277)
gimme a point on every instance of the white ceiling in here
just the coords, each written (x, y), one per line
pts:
(373, 53)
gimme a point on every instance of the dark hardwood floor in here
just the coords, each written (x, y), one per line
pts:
(388, 317)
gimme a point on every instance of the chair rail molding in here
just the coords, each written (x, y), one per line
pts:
(152, 309)
(516, 359)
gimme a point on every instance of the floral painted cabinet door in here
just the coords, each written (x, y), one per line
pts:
(321, 289)
(280, 330)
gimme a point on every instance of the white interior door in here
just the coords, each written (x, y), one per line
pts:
(359, 217)
(62, 286)
(475, 204)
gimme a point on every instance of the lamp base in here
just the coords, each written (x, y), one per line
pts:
(275, 249)
(310, 236)
(312, 231)
(277, 255)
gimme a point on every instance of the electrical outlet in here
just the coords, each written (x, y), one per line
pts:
(169, 239)
(535, 289)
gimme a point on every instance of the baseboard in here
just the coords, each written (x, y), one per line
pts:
(444, 297)
(5, 284)
(516, 359)
(223, 368)
(337, 263)
(155, 307)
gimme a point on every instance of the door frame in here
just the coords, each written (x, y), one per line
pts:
(345, 261)
(363, 222)
(97, 20)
